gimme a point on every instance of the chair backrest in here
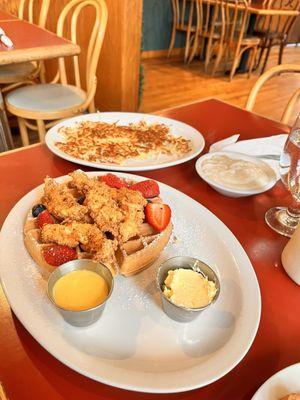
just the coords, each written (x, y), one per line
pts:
(183, 13)
(236, 20)
(279, 69)
(68, 20)
(208, 13)
(278, 23)
(34, 11)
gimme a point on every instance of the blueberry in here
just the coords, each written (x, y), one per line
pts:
(37, 209)
(80, 200)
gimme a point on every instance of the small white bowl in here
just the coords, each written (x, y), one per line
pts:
(230, 192)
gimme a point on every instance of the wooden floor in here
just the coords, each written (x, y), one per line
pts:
(168, 82)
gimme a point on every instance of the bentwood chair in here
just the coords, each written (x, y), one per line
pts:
(272, 72)
(274, 29)
(14, 75)
(183, 21)
(210, 32)
(63, 97)
(236, 39)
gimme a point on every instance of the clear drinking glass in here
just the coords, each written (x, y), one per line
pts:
(284, 220)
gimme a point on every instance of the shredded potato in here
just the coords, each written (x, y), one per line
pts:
(104, 142)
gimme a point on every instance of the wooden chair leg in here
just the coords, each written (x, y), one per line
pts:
(187, 47)
(227, 55)
(281, 48)
(236, 59)
(218, 59)
(208, 53)
(92, 108)
(194, 49)
(252, 60)
(266, 57)
(261, 52)
(173, 34)
(23, 131)
(41, 130)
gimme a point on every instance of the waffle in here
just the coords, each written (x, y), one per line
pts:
(132, 257)
(127, 257)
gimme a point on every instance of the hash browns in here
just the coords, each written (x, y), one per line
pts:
(109, 142)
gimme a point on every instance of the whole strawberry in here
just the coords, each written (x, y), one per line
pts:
(58, 254)
(148, 188)
(113, 181)
(44, 218)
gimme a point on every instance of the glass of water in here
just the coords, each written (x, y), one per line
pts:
(284, 220)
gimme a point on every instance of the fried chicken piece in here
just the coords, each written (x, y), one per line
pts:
(82, 182)
(103, 208)
(61, 203)
(88, 235)
(118, 211)
(132, 204)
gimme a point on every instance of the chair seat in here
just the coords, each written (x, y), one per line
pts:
(16, 72)
(44, 98)
(271, 35)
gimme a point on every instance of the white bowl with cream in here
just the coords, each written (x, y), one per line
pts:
(235, 174)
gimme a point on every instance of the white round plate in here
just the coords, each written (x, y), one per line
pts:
(176, 128)
(284, 382)
(135, 345)
(226, 191)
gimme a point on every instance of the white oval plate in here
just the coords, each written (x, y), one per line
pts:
(135, 345)
(176, 128)
(281, 384)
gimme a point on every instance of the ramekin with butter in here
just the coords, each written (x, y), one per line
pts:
(187, 287)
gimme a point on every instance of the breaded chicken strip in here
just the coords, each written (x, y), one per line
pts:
(81, 181)
(132, 204)
(118, 211)
(74, 233)
(61, 204)
(104, 209)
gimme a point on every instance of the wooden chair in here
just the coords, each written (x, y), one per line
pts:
(13, 75)
(183, 21)
(210, 32)
(236, 39)
(277, 70)
(274, 29)
(60, 99)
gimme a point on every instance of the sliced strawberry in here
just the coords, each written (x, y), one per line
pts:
(44, 218)
(113, 181)
(148, 188)
(57, 254)
(158, 215)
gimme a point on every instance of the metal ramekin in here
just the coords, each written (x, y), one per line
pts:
(179, 313)
(85, 317)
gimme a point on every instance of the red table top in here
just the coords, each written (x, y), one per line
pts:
(29, 372)
(31, 42)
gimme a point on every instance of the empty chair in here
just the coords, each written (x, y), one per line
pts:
(68, 94)
(277, 70)
(236, 39)
(274, 29)
(184, 16)
(210, 32)
(16, 73)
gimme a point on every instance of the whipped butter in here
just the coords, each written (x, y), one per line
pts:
(188, 288)
(236, 173)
